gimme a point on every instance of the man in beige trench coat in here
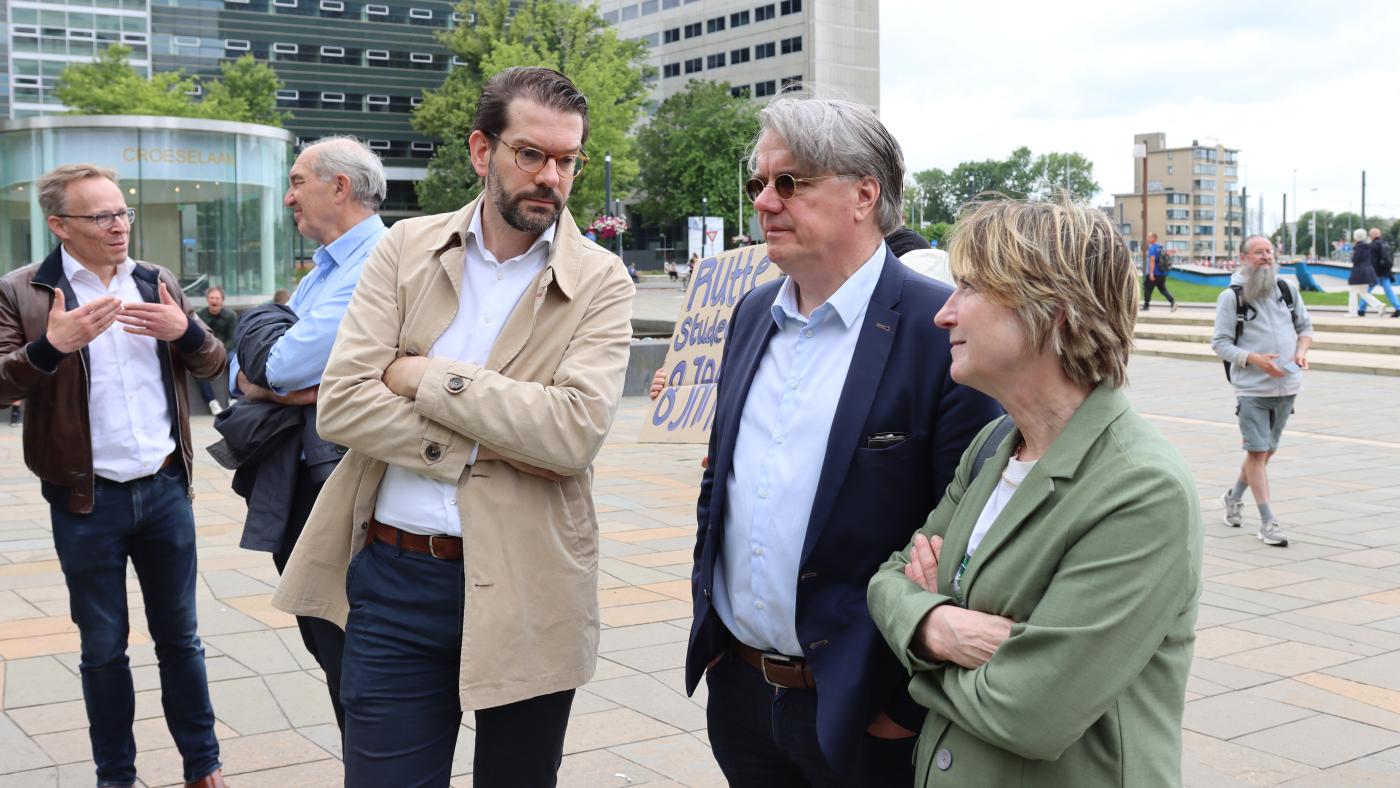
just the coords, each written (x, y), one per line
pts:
(474, 378)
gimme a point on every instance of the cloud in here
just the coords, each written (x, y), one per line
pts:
(1294, 86)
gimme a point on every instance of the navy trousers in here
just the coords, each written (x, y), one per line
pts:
(403, 646)
(148, 521)
(766, 737)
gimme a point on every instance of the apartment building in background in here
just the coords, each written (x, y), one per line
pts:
(348, 67)
(760, 47)
(1193, 200)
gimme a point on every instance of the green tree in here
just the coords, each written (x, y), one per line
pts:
(692, 148)
(247, 92)
(570, 38)
(936, 201)
(1072, 172)
(110, 86)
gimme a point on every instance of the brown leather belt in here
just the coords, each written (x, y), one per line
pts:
(778, 669)
(448, 548)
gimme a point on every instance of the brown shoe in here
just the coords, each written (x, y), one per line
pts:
(212, 780)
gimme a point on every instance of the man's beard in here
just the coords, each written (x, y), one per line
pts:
(1260, 284)
(508, 206)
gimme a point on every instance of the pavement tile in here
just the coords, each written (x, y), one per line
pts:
(628, 595)
(303, 699)
(648, 659)
(1231, 714)
(261, 651)
(242, 755)
(329, 773)
(1379, 671)
(639, 635)
(1322, 741)
(29, 682)
(1288, 659)
(603, 769)
(1337, 697)
(645, 613)
(247, 706)
(18, 752)
(1217, 642)
(1323, 590)
(684, 758)
(612, 728)
(653, 698)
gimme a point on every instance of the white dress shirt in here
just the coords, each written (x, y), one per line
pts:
(778, 458)
(128, 411)
(490, 292)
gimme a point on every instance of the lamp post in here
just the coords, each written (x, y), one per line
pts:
(740, 230)
(1293, 231)
(704, 224)
(1312, 246)
(607, 182)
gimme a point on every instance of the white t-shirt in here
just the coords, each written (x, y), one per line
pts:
(1015, 473)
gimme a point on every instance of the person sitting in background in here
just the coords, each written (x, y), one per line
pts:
(223, 323)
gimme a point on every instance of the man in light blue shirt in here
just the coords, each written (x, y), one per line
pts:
(335, 188)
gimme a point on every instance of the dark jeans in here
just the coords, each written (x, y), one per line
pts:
(1160, 283)
(206, 391)
(403, 646)
(150, 521)
(766, 737)
(325, 641)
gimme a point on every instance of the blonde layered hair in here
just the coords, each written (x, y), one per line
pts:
(1064, 271)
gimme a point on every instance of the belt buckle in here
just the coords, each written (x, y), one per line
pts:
(432, 545)
(779, 660)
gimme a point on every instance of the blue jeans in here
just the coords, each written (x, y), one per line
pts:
(403, 650)
(765, 737)
(150, 521)
(1385, 284)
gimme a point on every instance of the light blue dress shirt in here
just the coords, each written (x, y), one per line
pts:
(778, 459)
(299, 358)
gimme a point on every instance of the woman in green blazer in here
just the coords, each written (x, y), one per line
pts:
(1046, 610)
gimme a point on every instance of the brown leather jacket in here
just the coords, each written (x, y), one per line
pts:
(54, 385)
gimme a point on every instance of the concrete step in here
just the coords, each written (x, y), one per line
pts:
(1382, 343)
(1204, 315)
(1326, 360)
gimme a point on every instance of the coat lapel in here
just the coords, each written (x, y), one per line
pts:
(872, 351)
(1099, 410)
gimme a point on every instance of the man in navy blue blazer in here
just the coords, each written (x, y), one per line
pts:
(836, 430)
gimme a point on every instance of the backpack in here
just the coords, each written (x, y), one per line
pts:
(1164, 260)
(1242, 309)
(1385, 258)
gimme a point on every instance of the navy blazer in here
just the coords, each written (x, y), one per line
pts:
(869, 501)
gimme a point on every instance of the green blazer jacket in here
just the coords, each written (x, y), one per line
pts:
(1097, 557)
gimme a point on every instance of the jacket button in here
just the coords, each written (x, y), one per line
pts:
(340, 450)
(944, 759)
(455, 384)
(433, 451)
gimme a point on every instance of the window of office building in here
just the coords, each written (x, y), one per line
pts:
(1178, 198)
(1205, 213)
(739, 19)
(1205, 229)
(629, 13)
(792, 83)
(761, 51)
(376, 11)
(668, 4)
(333, 52)
(1178, 229)
(1205, 246)
(739, 91)
(649, 7)
(671, 36)
(790, 7)
(715, 61)
(766, 88)
(739, 55)
(671, 70)
(693, 65)
(1205, 184)
(1203, 169)
(1178, 213)
(764, 13)
(791, 45)
(693, 30)
(376, 55)
(714, 25)
(1205, 199)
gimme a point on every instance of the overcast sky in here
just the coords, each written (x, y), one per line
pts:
(1284, 82)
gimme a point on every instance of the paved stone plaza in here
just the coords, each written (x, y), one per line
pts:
(1296, 679)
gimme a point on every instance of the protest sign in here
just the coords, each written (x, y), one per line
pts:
(686, 408)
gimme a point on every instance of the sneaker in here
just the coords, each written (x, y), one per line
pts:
(1233, 509)
(1271, 534)
(214, 407)
(1173, 306)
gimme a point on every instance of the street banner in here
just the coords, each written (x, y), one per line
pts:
(686, 408)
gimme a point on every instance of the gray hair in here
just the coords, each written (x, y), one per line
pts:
(832, 136)
(53, 186)
(1359, 234)
(1244, 247)
(344, 155)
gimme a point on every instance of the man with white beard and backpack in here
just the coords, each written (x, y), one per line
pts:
(1262, 333)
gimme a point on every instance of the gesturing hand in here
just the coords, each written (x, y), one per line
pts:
(923, 562)
(165, 321)
(69, 331)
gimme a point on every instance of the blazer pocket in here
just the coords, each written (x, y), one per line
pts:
(906, 450)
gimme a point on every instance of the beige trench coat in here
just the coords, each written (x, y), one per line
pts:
(547, 396)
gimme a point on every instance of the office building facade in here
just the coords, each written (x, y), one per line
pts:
(1193, 200)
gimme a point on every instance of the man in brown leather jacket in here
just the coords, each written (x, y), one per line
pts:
(97, 345)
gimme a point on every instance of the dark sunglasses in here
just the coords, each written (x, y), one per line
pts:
(784, 185)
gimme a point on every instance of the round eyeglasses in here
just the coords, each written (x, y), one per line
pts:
(784, 185)
(103, 221)
(532, 160)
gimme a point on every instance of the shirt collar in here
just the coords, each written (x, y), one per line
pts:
(546, 238)
(71, 266)
(344, 247)
(848, 300)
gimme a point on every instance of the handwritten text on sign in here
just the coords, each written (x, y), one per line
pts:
(686, 408)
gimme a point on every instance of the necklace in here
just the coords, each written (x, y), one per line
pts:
(1004, 477)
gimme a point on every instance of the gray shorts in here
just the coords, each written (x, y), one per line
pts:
(1262, 420)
